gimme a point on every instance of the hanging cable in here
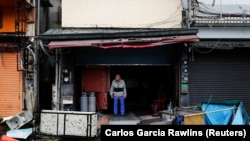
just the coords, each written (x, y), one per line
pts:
(45, 51)
(22, 67)
(212, 49)
(33, 55)
(173, 18)
(211, 10)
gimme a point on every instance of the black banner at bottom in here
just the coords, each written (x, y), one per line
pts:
(163, 132)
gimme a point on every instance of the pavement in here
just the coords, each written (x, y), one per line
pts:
(128, 119)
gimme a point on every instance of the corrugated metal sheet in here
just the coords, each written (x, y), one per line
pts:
(221, 74)
(125, 43)
(162, 55)
(10, 85)
(112, 33)
(70, 31)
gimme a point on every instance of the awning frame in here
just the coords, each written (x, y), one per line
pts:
(116, 37)
(110, 33)
(124, 43)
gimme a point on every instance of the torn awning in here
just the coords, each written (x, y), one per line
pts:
(124, 42)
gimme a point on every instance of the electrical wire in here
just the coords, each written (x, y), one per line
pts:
(203, 5)
(22, 67)
(44, 50)
(171, 19)
(205, 9)
(33, 55)
(216, 44)
(212, 49)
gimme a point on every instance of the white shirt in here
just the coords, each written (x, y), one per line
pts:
(121, 92)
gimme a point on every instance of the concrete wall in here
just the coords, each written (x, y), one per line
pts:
(122, 13)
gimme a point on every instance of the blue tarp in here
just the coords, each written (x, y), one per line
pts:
(223, 114)
(239, 118)
(221, 117)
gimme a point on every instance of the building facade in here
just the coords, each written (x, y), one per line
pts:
(219, 64)
(107, 37)
(195, 51)
(17, 28)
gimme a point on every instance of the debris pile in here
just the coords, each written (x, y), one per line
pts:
(16, 127)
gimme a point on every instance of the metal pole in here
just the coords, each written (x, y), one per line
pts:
(38, 17)
(56, 83)
(60, 104)
(36, 67)
(189, 13)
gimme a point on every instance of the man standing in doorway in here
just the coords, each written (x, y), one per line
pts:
(118, 92)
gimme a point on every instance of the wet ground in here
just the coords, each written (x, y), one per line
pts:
(128, 119)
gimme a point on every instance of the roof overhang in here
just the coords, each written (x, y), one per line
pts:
(117, 38)
(110, 33)
(124, 42)
(221, 44)
(224, 32)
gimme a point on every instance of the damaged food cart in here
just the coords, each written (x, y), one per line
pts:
(224, 112)
(208, 112)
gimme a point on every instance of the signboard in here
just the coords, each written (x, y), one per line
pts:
(184, 88)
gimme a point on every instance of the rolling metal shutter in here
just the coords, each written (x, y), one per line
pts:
(10, 85)
(162, 55)
(224, 74)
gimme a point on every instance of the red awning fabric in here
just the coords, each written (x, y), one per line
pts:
(124, 43)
